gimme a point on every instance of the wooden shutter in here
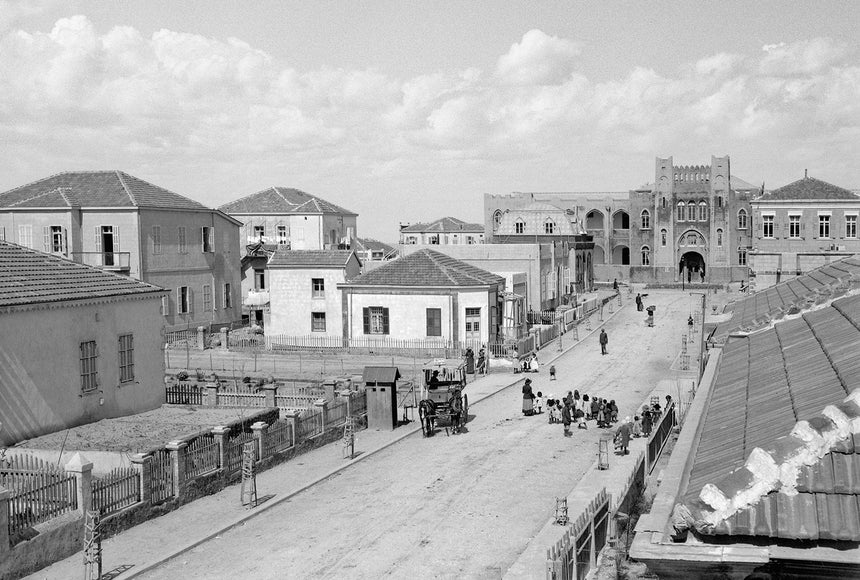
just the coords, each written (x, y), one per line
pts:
(98, 238)
(46, 238)
(385, 321)
(165, 304)
(365, 312)
(190, 300)
(115, 238)
(179, 300)
(65, 240)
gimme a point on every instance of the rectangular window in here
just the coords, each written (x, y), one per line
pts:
(55, 240)
(207, 298)
(317, 321)
(282, 235)
(183, 240)
(126, 358)
(434, 322)
(259, 279)
(742, 256)
(156, 239)
(473, 323)
(25, 236)
(767, 226)
(207, 239)
(794, 226)
(89, 374)
(183, 300)
(519, 227)
(851, 226)
(228, 297)
(375, 320)
(824, 226)
(165, 305)
(259, 233)
(317, 288)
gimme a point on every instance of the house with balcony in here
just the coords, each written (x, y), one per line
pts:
(799, 227)
(289, 217)
(123, 224)
(79, 344)
(304, 296)
(442, 232)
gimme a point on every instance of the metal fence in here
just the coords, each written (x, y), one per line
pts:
(202, 455)
(309, 425)
(117, 490)
(233, 451)
(575, 554)
(279, 437)
(659, 435)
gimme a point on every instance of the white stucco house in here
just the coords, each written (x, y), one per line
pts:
(425, 295)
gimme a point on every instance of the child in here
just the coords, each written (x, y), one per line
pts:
(555, 412)
(579, 416)
(637, 426)
(539, 403)
(552, 372)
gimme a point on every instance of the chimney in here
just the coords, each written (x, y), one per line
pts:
(805, 174)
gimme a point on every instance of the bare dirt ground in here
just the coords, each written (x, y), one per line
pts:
(463, 506)
(138, 433)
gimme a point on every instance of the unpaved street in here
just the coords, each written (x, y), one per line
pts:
(462, 506)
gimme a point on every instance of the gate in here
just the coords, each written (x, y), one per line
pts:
(161, 476)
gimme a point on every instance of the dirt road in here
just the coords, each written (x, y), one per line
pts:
(462, 506)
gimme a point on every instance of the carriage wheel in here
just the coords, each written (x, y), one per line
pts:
(464, 414)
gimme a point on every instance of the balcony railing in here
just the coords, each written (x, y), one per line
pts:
(114, 261)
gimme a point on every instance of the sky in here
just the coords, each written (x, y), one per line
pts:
(407, 111)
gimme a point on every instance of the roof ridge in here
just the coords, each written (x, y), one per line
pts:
(126, 189)
(38, 195)
(443, 267)
(63, 194)
(277, 190)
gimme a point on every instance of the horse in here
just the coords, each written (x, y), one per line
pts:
(427, 411)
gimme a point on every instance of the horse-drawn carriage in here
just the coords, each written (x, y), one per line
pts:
(442, 402)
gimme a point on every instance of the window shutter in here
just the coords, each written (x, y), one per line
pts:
(65, 241)
(46, 238)
(212, 239)
(179, 300)
(98, 239)
(116, 238)
(190, 300)
(165, 304)
(385, 321)
(203, 239)
(366, 315)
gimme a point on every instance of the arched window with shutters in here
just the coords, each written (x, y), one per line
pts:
(703, 211)
(646, 256)
(681, 207)
(646, 219)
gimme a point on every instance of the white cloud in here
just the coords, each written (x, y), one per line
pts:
(538, 59)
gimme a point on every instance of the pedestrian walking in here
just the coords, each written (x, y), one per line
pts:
(646, 421)
(566, 417)
(636, 430)
(622, 436)
(639, 302)
(604, 340)
(595, 405)
(601, 413)
(528, 398)
(552, 372)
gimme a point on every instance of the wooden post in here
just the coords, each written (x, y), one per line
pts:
(141, 462)
(177, 460)
(82, 469)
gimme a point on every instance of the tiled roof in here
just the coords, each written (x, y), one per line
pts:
(760, 309)
(94, 189)
(31, 277)
(445, 225)
(286, 258)
(364, 244)
(427, 268)
(810, 188)
(282, 200)
(792, 394)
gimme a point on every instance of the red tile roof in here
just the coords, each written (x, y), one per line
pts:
(427, 268)
(111, 189)
(809, 188)
(767, 382)
(286, 258)
(445, 225)
(31, 277)
(282, 200)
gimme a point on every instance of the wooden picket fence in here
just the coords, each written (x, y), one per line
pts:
(117, 490)
(279, 436)
(237, 399)
(40, 491)
(575, 554)
(309, 425)
(160, 476)
(202, 456)
(183, 394)
(234, 448)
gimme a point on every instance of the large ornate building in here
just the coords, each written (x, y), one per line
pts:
(693, 224)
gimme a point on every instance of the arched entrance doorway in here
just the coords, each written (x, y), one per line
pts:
(692, 267)
(621, 255)
(599, 257)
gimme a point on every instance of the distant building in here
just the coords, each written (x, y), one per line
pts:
(442, 232)
(373, 251)
(693, 222)
(799, 227)
(120, 223)
(289, 217)
(79, 344)
(425, 295)
(304, 291)
(255, 283)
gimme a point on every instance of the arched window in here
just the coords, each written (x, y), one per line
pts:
(497, 219)
(646, 256)
(742, 256)
(646, 219)
(742, 219)
(664, 203)
(663, 234)
(681, 207)
(719, 238)
(719, 201)
(549, 226)
(703, 211)
(519, 226)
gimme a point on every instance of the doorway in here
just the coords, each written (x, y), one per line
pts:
(107, 239)
(692, 266)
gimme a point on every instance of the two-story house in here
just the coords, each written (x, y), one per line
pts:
(120, 223)
(293, 218)
(442, 232)
(78, 344)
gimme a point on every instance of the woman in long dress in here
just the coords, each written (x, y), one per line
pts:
(528, 398)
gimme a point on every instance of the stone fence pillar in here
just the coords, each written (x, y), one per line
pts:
(270, 390)
(141, 463)
(322, 406)
(224, 339)
(5, 494)
(259, 429)
(292, 417)
(82, 469)
(201, 338)
(210, 394)
(177, 460)
(221, 434)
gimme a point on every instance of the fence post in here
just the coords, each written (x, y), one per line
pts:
(5, 494)
(201, 341)
(177, 460)
(141, 463)
(322, 405)
(221, 433)
(210, 394)
(292, 417)
(224, 339)
(259, 429)
(270, 390)
(83, 472)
